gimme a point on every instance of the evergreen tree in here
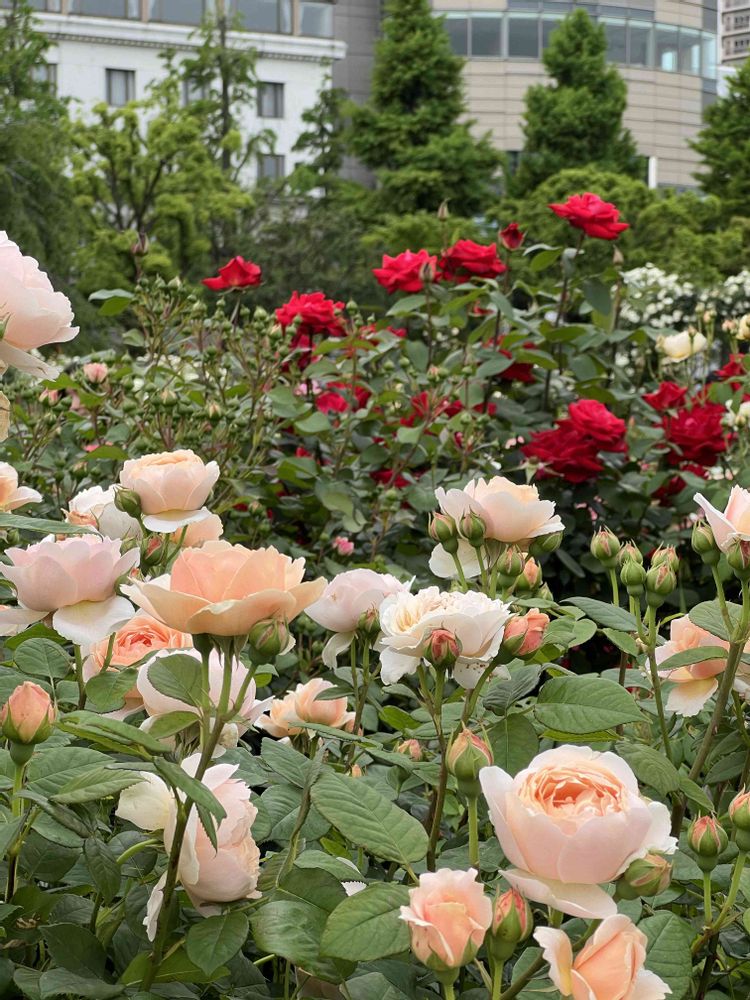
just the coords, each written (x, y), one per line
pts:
(576, 120)
(724, 146)
(409, 131)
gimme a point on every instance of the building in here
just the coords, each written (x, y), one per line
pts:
(735, 32)
(109, 50)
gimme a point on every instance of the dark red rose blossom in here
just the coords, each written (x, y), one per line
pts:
(301, 452)
(733, 369)
(676, 484)
(316, 314)
(406, 272)
(467, 259)
(696, 434)
(331, 402)
(511, 237)
(389, 477)
(592, 419)
(595, 217)
(238, 273)
(669, 396)
(562, 450)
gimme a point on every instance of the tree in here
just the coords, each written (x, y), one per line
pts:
(410, 132)
(724, 146)
(575, 121)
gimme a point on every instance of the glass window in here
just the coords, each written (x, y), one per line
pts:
(667, 48)
(193, 91)
(45, 73)
(457, 26)
(107, 8)
(548, 26)
(120, 87)
(270, 167)
(616, 34)
(486, 34)
(271, 100)
(690, 51)
(265, 15)
(640, 42)
(523, 37)
(708, 44)
(316, 18)
(177, 11)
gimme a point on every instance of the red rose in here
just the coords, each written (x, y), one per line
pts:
(595, 217)
(360, 393)
(519, 371)
(238, 273)
(328, 402)
(316, 313)
(388, 477)
(511, 237)
(593, 420)
(696, 434)
(733, 369)
(669, 396)
(467, 259)
(676, 484)
(406, 272)
(565, 452)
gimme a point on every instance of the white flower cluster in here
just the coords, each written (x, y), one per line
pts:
(661, 301)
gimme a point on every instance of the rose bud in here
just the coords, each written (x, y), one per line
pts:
(472, 528)
(666, 554)
(442, 213)
(738, 557)
(530, 579)
(604, 548)
(542, 545)
(28, 715)
(368, 623)
(466, 757)
(660, 582)
(524, 634)
(511, 237)
(443, 530)
(268, 639)
(512, 923)
(128, 502)
(633, 576)
(441, 649)
(411, 748)
(707, 839)
(509, 566)
(629, 553)
(704, 544)
(647, 876)
(739, 814)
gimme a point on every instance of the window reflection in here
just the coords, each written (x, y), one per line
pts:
(639, 42)
(523, 37)
(617, 47)
(486, 35)
(457, 26)
(667, 48)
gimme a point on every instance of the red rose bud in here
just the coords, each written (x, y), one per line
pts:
(268, 639)
(511, 237)
(707, 839)
(411, 748)
(645, 877)
(530, 579)
(739, 814)
(466, 757)
(441, 649)
(604, 548)
(661, 580)
(542, 545)
(472, 528)
(629, 553)
(738, 557)
(28, 715)
(704, 544)
(512, 923)
(633, 577)
(510, 565)
(368, 623)
(524, 634)
(666, 554)
(128, 502)
(444, 531)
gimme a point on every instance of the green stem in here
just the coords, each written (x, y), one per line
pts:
(471, 804)
(16, 811)
(438, 801)
(79, 677)
(707, 897)
(722, 599)
(472, 697)
(734, 888)
(135, 848)
(460, 572)
(448, 991)
(497, 980)
(515, 988)
(656, 681)
(615, 587)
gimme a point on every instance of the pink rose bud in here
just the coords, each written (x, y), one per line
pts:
(411, 748)
(530, 579)
(704, 544)
(512, 923)
(629, 553)
(444, 531)
(707, 839)
(471, 527)
(739, 814)
(343, 545)
(646, 876)
(604, 548)
(633, 576)
(666, 554)
(95, 372)
(28, 715)
(368, 623)
(661, 580)
(524, 634)
(510, 566)
(355, 771)
(466, 757)
(269, 639)
(544, 544)
(441, 649)
(738, 557)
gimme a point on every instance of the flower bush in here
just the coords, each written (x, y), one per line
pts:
(309, 690)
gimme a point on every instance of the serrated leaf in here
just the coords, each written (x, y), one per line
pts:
(103, 866)
(107, 690)
(367, 926)
(650, 766)
(285, 762)
(514, 743)
(708, 616)
(76, 949)
(668, 951)
(171, 723)
(109, 733)
(504, 693)
(216, 940)
(623, 640)
(177, 676)
(606, 615)
(61, 982)
(195, 790)
(42, 658)
(689, 656)
(585, 704)
(93, 784)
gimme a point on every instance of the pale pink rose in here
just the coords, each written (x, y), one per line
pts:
(511, 513)
(33, 313)
(343, 545)
(608, 967)
(345, 600)
(407, 621)
(444, 566)
(731, 523)
(172, 487)
(49, 396)
(448, 916)
(96, 508)
(224, 589)
(12, 495)
(74, 580)
(695, 683)
(194, 535)
(28, 713)
(573, 820)
(95, 372)
(287, 716)
(529, 628)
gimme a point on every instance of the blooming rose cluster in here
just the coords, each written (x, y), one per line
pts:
(572, 449)
(594, 217)
(410, 271)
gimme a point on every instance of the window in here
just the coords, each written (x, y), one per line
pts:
(523, 37)
(193, 91)
(548, 26)
(51, 6)
(457, 26)
(107, 8)
(616, 33)
(270, 167)
(177, 11)
(486, 34)
(708, 44)
(316, 18)
(640, 43)
(271, 100)
(45, 73)
(667, 48)
(274, 16)
(120, 87)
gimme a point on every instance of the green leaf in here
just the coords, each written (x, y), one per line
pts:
(695, 794)
(369, 820)
(95, 783)
(316, 423)
(171, 723)
(107, 689)
(60, 982)
(195, 790)
(110, 733)
(544, 259)
(375, 986)
(178, 676)
(606, 615)
(690, 656)
(708, 616)
(504, 693)
(103, 866)
(113, 300)
(623, 640)
(650, 766)
(176, 968)
(514, 743)
(367, 926)
(216, 940)
(597, 294)
(585, 704)
(76, 949)
(51, 769)
(278, 811)
(41, 525)
(9, 830)
(668, 951)
(397, 719)
(285, 761)
(42, 658)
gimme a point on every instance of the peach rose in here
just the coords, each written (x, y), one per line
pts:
(571, 821)
(224, 589)
(32, 312)
(96, 372)
(96, 508)
(343, 602)
(608, 967)
(695, 683)
(731, 523)
(448, 916)
(28, 715)
(210, 529)
(74, 579)
(529, 629)
(172, 487)
(511, 513)
(12, 495)
(287, 716)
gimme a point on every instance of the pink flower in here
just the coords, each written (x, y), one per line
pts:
(12, 495)
(172, 487)
(28, 715)
(238, 273)
(448, 916)
(96, 372)
(572, 820)
(608, 967)
(210, 529)
(695, 683)
(287, 716)
(733, 522)
(511, 513)
(96, 508)
(343, 545)
(527, 629)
